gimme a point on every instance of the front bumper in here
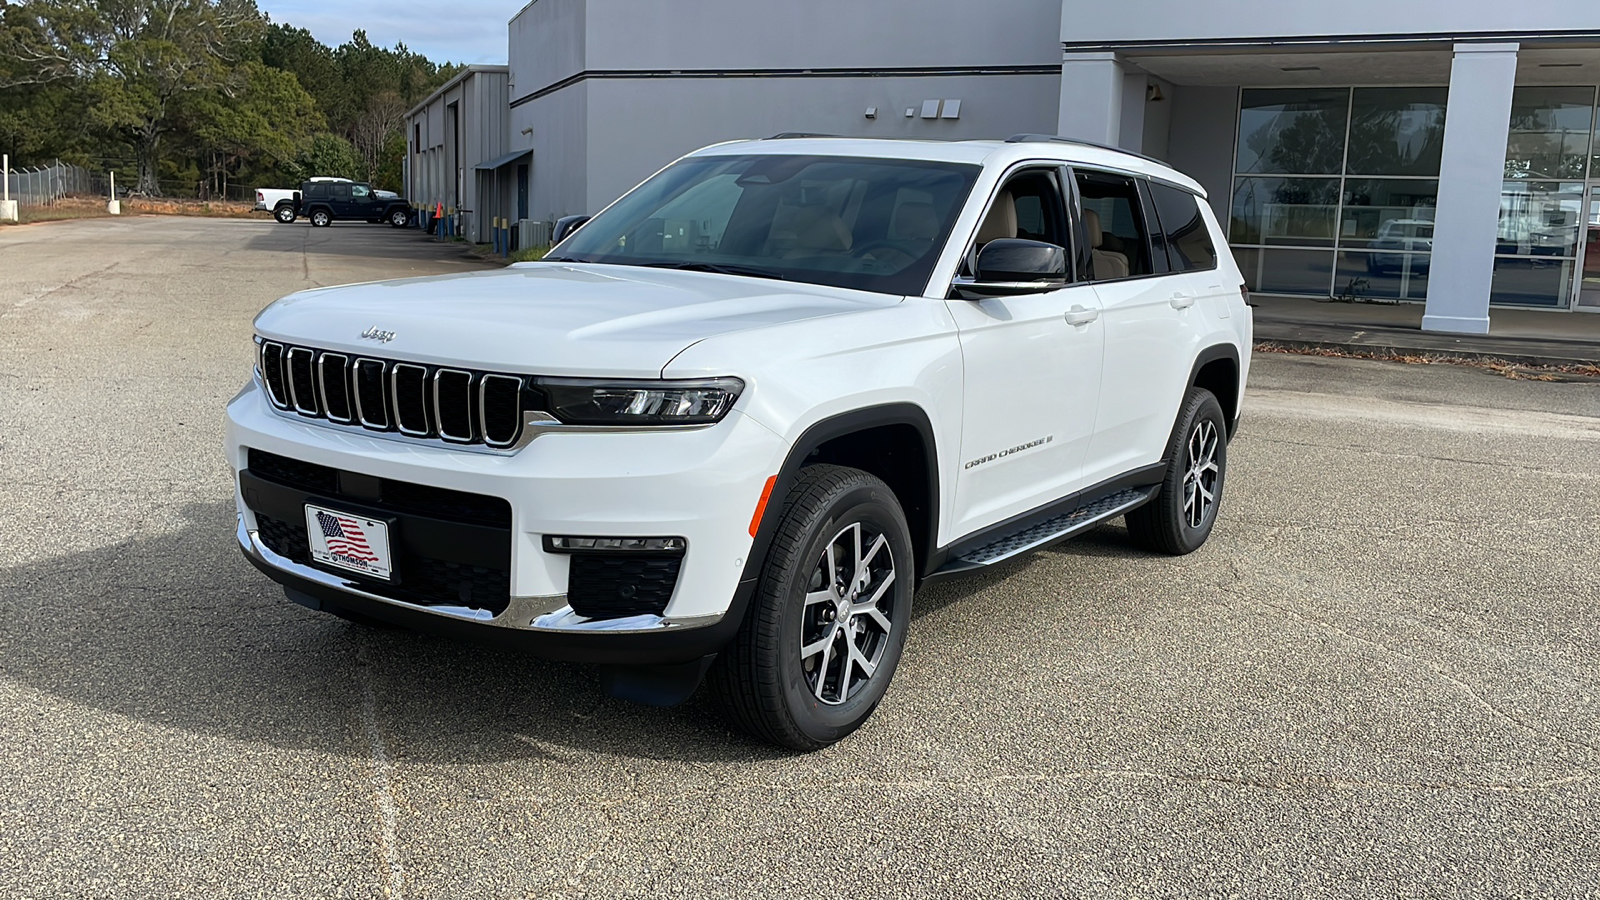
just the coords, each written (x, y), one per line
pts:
(700, 485)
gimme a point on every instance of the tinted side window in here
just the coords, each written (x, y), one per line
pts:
(1114, 220)
(1189, 245)
(341, 192)
(317, 192)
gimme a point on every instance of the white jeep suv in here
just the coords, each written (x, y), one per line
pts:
(728, 426)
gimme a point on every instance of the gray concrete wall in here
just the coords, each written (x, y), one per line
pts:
(1200, 139)
(547, 44)
(680, 115)
(722, 34)
(1186, 20)
(557, 127)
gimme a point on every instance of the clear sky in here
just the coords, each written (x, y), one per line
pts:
(464, 31)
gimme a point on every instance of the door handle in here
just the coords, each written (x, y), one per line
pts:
(1182, 301)
(1081, 315)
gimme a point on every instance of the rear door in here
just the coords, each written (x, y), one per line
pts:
(1149, 318)
(341, 200)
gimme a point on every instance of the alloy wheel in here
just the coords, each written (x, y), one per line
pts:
(1200, 481)
(849, 613)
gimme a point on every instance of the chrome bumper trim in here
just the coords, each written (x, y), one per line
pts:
(523, 613)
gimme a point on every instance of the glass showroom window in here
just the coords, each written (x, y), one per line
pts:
(1358, 175)
(1536, 247)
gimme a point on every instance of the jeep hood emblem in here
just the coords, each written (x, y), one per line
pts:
(377, 334)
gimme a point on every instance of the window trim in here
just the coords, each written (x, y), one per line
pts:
(1055, 168)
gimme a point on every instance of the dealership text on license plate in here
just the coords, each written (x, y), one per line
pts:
(349, 541)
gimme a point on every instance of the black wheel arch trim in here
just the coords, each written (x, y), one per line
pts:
(1210, 355)
(810, 440)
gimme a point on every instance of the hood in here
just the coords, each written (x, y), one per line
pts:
(550, 318)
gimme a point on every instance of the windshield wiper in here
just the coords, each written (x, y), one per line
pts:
(559, 259)
(720, 268)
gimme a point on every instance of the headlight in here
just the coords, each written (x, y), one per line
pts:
(582, 401)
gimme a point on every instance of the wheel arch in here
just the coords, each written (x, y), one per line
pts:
(1216, 368)
(894, 440)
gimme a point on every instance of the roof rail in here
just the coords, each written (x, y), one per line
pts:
(1058, 139)
(789, 135)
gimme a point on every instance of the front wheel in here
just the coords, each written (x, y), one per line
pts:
(398, 218)
(321, 219)
(284, 214)
(1181, 516)
(827, 625)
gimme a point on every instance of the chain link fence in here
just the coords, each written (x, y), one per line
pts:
(49, 185)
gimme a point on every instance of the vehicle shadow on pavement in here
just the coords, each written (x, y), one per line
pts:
(177, 630)
(359, 239)
(1108, 541)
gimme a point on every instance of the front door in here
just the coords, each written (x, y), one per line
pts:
(1588, 288)
(1031, 372)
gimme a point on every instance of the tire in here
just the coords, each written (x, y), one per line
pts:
(398, 218)
(1197, 454)
(765, 682)
(285, 214)
(320, 218)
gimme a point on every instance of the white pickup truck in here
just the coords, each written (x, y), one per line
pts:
(284, 203)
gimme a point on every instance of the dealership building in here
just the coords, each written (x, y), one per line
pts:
(1435, 152)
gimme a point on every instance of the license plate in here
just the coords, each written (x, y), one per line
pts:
(349, 541)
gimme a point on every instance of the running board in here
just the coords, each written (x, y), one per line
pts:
(1049, 531)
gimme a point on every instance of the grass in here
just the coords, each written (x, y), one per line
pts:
(486, 253)
(529, 254)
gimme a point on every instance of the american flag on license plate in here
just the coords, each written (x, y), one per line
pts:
(345, 537)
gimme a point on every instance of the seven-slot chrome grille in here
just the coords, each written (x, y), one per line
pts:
(458, 406)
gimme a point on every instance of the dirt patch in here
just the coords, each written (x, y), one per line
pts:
(1504, 368)
(95, 207)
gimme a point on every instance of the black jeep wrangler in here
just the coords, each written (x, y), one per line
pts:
(325, 201)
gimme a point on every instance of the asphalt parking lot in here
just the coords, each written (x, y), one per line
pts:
(1381, 678)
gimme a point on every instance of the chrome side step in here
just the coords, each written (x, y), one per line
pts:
(1049, 531)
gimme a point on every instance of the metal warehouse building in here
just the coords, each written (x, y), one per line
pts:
(1436, 152)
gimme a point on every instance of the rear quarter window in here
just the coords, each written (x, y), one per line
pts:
(1189, 244)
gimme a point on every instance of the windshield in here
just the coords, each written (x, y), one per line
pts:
(869, 224)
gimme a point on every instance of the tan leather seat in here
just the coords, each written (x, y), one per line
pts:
(1108, 264)
(807, 231)
(1001, 222)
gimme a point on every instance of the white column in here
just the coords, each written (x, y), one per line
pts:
(1092, 86)
(1135, 85)
(1477, 117)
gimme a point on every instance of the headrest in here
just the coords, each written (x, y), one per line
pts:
(1001, 222)
(1091, 224)
(914, 222)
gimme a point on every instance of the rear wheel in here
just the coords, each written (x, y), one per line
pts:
(1180, 517)
(320, 218)
(827, 626)
(284, 213)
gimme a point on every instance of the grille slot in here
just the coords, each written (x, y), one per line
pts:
(272, 374)
(303, 381)
(408, 384)
(452, 403)
(372, 409)
(458, 406)
(499, 409)
(610, 585)
(334, 375)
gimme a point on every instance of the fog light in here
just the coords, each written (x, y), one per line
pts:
(564, 544)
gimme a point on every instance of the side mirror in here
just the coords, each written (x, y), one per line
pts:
(565, 226)
(1016, 261)
(1015, 266)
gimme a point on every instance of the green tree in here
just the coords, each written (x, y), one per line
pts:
(137, 61)
(327, 155)
(264, 117)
